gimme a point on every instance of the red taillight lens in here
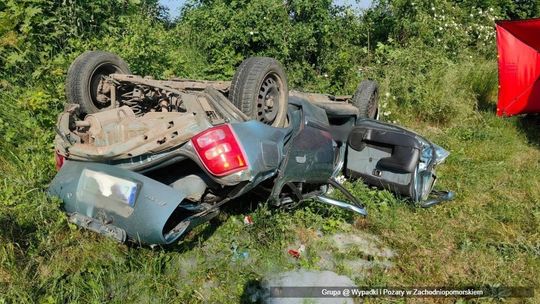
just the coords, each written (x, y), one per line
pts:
(59, 160)
(219, 150)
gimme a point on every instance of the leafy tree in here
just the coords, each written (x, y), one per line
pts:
(34, 32)
(307, 36)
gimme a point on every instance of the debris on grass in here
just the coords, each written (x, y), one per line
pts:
(238, 254)
(294, 253)
(248, 220)
(341, 179)
(297, 253)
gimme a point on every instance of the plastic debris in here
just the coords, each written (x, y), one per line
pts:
(248, 220)
(294, 253)
(238, 254)
(242, 255)
(341, 179)
(297, 253)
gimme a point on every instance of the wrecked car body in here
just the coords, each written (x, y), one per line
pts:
(147, 160)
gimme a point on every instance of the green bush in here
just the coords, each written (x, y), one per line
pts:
(421, 83)
(316, 41)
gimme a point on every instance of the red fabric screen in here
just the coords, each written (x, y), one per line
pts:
(518, 44)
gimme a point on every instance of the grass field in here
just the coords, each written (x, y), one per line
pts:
(488, 236)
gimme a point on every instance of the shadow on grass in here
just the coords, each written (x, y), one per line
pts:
(530, 125)
(253, 292)
(484, 104)
(22, 235)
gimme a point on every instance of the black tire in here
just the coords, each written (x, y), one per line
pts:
(366, 99)
(84, 75)
(259, 89)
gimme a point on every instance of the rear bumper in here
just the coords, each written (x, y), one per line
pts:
(122, 203)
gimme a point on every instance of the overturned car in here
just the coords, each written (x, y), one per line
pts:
(148, 160)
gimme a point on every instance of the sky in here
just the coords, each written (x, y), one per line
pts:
(175, 5)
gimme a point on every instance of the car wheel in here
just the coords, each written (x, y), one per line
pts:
(84, 85)
(259, 89)
(366, 99)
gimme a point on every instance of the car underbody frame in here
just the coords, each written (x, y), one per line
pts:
(148, 160)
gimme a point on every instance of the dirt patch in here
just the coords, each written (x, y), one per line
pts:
(359, 266)
(326, 260)
(368, 244)
(363, 252)
(5, 277)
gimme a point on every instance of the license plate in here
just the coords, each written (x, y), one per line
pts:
(109, 187)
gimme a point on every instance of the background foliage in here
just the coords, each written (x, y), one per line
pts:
(434, 60)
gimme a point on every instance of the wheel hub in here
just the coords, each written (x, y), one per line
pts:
(100, 88)
(267, 105)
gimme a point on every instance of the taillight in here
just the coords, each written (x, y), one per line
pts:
(59, 160)
(219, 150)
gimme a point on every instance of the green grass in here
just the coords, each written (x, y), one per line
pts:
(488, 235)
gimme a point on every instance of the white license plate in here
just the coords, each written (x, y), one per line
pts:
(110, 187)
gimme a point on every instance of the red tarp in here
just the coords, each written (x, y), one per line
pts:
(518, 44)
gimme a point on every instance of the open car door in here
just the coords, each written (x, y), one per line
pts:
(518, 45)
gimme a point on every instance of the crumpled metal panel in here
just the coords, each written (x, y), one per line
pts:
(309, 155)
(130, 201)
